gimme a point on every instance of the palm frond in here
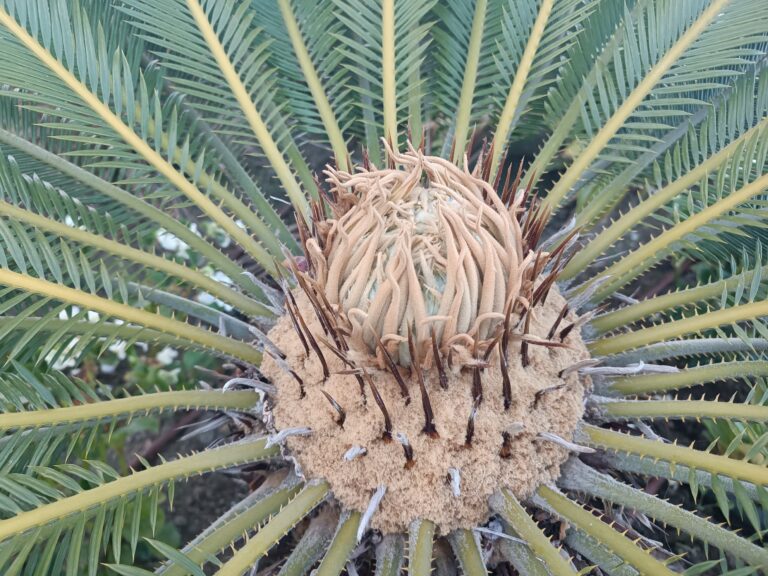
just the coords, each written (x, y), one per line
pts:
(312, 76)
(729, 130)
(642, 560)
(218, 59)
(617, 114)
(553, 33)
(73, 221)
(38, 293)
(279, 525)
(82, 100)
(521, 525)
(384, 56)
(69, 507)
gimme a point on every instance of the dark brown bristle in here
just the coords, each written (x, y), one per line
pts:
(471, 424)
(490, 346)
(542, 290)
(524, 344)
(564, 243)
(477, 384)
(380, 403)
(354, 370)
(506, 385)
(470, 144)
(528, 200)
(284, 283)
(558, 320)
(296, 327)
(336, 406)
(438, 361)
(541, 393)
(304, 233)
(314, 345)
(505, 332)
(361, 384)
(319, 312)
(544, 343)
(302, 392)
(392, 367)
(429, 416)
(289, 307)
(336, 352)
(483, 166)
(508, 194)
(536, 218)
(503, 186)
(332, 320)
(565, 331)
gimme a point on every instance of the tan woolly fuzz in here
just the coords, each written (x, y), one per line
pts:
(422, 490)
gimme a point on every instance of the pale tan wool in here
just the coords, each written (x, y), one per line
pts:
(422, 491)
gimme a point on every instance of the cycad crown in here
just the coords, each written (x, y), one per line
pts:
(625, 137)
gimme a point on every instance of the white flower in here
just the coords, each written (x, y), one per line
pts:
(172, 243)
(167, 355)
(65, 359)
(106, 368)
(221, 277)
(73, 311)
(169, 377)
(210, 300)
(218, 233)
(118, 348)
(205, 298)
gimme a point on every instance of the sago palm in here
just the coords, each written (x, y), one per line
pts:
(439, 343)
